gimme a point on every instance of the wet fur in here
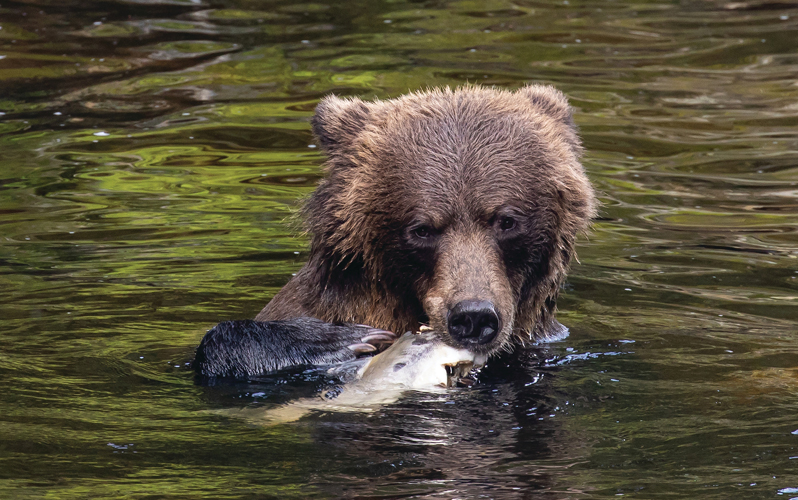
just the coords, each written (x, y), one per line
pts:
(454, 161)
(451, 158)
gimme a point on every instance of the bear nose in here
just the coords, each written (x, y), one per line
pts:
(473, 322)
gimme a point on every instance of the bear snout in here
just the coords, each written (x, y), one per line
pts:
(470, 298)
(474, 322)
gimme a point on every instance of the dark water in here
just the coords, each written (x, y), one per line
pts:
(151, 151)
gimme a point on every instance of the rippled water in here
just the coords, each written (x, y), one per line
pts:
(152, 151)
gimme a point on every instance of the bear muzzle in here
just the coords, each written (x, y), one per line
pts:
(470, 297)
(473, 322)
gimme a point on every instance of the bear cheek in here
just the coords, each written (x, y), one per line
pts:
(436, 310)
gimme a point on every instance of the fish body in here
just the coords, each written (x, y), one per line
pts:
(416, 361)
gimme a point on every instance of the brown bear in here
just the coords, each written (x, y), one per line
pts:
(452, 208)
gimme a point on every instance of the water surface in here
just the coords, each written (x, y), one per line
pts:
(152, 153)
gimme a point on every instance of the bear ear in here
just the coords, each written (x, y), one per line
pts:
(549, 100)
(338, 121)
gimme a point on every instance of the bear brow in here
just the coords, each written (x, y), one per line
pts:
(434, 220)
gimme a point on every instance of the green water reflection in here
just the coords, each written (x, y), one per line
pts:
(153, 153)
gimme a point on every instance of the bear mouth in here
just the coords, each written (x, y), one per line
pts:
(458, 374)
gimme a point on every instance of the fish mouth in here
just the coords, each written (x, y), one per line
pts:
(457, 374)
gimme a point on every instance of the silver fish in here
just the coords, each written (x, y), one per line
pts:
(416, 361)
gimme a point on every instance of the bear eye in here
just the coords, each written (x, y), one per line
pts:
(506, 223)
(423, 232)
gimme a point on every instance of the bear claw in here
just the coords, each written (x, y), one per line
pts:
(375, 340)
(362, 348)
(379, 338)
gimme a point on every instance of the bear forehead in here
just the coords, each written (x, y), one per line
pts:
(452, 125)
(448, 161)
(469, 135)
(444, 154)
(461, 101)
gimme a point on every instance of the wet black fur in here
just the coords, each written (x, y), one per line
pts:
(239, 349)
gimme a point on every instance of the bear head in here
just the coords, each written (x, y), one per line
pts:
(455, 208)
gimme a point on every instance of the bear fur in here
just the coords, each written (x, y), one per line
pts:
(438, 198)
